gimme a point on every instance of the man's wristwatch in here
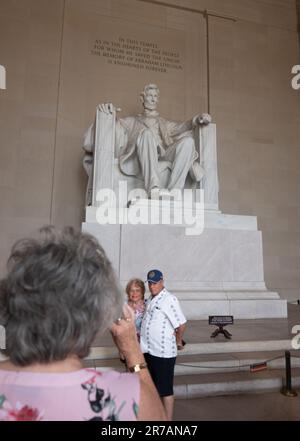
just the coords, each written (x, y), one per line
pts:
(137, 367)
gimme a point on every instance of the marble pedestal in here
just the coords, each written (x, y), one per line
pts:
(217, 272)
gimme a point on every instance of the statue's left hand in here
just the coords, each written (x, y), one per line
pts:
(204, 119)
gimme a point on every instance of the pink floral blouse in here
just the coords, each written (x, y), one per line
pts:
(139, 310)
(84, 395)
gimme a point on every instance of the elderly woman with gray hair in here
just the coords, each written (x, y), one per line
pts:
(59, 292)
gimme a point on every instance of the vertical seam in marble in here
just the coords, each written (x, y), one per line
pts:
(120, 251)
(57, 107)
(207, 62)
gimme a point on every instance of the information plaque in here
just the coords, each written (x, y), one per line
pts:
(221, 321)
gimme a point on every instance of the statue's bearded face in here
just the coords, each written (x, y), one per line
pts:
(151, 98)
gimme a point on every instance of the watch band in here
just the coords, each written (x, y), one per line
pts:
(137, 367)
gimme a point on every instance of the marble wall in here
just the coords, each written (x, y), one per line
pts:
(30, 41)
(242, 76)
(298, 13)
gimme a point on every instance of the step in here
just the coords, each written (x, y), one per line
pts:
(207, 385)
(214, 347)
(199, 331)
(220, 381)
(215, 363)
(197, 365)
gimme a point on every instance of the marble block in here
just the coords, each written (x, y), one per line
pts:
(219, 272)
(212, 218)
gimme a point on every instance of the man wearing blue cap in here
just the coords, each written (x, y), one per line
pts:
(161, 335)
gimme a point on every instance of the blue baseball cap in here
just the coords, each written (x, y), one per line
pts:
(154, 276)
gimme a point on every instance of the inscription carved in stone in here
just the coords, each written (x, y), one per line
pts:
(138, 54)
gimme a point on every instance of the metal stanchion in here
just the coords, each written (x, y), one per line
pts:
(287, 390)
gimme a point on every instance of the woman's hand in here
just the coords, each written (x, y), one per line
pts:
(124, 335)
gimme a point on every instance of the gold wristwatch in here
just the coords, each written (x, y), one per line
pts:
(137, 367)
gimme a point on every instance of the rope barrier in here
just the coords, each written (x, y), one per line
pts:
(286, 390)
(250, 365)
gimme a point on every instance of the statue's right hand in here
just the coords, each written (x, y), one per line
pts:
(107, 108)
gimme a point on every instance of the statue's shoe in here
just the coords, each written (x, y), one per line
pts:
(176, 194)
(164, 192)
(157, 193)
(154, 193)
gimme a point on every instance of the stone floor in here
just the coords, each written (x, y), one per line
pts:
(250, 407)
(199, 331)
(259, 406)
(247, 407)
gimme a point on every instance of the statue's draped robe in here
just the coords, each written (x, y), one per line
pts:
(127, 132)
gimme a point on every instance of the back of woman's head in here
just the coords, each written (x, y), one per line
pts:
(59, 292)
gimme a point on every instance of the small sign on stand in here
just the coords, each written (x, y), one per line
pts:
(221, 321)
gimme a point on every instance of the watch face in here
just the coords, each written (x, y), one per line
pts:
(137, 367)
